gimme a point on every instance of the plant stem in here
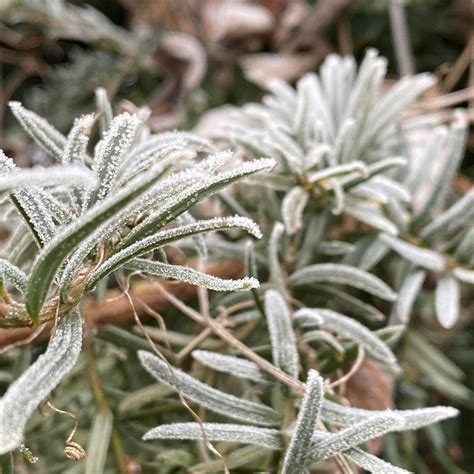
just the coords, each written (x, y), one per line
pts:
(103, 406)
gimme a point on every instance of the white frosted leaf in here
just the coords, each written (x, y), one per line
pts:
(208, 397)
(52, 176)
(374, 169)
(420, 417)
(273, 260)
(334, 247)
(298, 452)
(422, 257)
(355, 435)
(188, 275)
(391, 188)
(465, 275)
(265, 437)
(322, 336)
(447, 295)
(199, 240)
(75, 150)
(284, 350)
(344, 275)
(370, 214)
(372, 463)
(350, 329)
(42, 132)
(407, 294)
(232, 365)
(292, 208)
(36, 383)
(452, 154)
(110, 151)
(13, 274)
(104, 108)
(60, 214)
(451, 220)
(412, 419)
(167, 236)
(356, 167)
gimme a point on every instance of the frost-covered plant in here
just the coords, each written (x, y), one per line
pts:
(75, 223)
(338, 200)
(341, 147)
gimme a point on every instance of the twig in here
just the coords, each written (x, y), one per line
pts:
(355, 367)
(401, 40)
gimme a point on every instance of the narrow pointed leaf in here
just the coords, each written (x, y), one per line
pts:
(350, 329)
(465, 275)
(13, 274)
(98, 444)
(344, 275)
(407, 294)
(232, 365)
(208, 397)
(36, 383)
(425, 258)
(292, 209)
(245, 434)
(283, 341)
(298, 452)
(42, 132)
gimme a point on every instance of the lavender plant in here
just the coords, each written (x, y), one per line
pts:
(351, 226)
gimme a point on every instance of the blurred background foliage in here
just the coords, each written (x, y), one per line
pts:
(182, 58)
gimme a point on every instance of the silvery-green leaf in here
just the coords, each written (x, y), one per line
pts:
(447, 295)
(236, 366)
(344, 275)
(276, 272)
(164, 237)
(356, 167)
(284, 350)
(352, 303)
(298, 452)
(355, 435)
(53, 254)
(412, 419)
(391, 188)
(378, 167)
(372, 463)
(36, 383)
(60, 214)
(407, 294)
(422, 257)
(292, 209)
(334, 247)
(288, 149)
(51, 176)
(110, 151)
(176, 205)
(405, 91)
(451, 158)
(420, 417)
(75, 149)
(188, 275)
(323, 336)
(265, 437)
(42, 132)
(104, 108)
(451, 220)
(350, 329)
(465, 275)
(13, 274)
(208, 397)
(98, 444)
(370, 214)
